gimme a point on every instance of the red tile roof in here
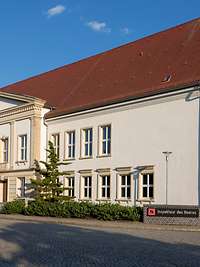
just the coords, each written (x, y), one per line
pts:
(157, 63)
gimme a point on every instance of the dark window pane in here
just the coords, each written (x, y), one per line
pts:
(123, 192)
(85, 192)
(86, 149)
(150, 191)
(72, 193)
(90, 135)
(108, 180)
(90, 192)
(123, 180)
(144, 179)
(90, 181)
(128, 192)
(108, 192)
(90, 149)
(109, 132)
(85, 181)
(128, 180)
(144, 191)
(103, 192)
(108, 146)
(151, 178)
(104, 132)
(73, 151)
(104, 147)
(103, 180)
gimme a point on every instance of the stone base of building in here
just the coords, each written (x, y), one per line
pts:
(171, 214)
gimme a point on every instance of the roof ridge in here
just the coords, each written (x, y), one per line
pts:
(101, 53)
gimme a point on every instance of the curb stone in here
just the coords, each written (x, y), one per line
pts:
(93, 223)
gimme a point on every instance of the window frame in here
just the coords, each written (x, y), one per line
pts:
(101, 140)
(70, 191)
(22, 150)
(148, 185)
(88, 187)
(22, 192)
(5, 151)
(68, 146)
(56, 146)
(125, 186)
(107, 186)
(84, 143)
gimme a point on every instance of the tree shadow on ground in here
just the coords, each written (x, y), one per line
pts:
(41, 244)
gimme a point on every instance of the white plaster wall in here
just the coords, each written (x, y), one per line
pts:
(6, 103)
(140, 133)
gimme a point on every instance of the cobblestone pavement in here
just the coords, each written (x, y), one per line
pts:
(29, 244)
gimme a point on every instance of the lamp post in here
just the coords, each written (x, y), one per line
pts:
(166, 154)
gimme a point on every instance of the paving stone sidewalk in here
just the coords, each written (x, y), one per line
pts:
(92, 223)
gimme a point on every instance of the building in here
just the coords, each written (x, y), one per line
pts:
(112, 116)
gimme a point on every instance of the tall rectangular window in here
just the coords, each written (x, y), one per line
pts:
(105, 140)
(147, 185)
(23, 147)
(87, 140)
(5, 149)
(87, 187)
(70, 144)
(70, 186)
(21, 187)
(105, 186)
(126, 186)
(56, 143)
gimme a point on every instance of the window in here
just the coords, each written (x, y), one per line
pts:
(87, 187)
(56, 143)
(105, 140)
(147, 185)
(125, 186)
(87, 142)
(105, 186)
(23, 147)
(71, 145)
(70, 186)
(5, 149)
(21, 187)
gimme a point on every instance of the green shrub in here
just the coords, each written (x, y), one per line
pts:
(14, 207)
(72, 209)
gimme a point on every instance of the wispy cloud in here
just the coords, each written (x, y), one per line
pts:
(98, 26)
(56, 10)
(125, 31)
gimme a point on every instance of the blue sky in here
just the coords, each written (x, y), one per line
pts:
(39, 35)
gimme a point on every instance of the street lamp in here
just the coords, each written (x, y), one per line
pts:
(167, 154)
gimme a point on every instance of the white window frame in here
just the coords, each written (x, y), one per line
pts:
(148, 185)
(70, 146)
(55, 138)
(88, 143)
(106, 140)
(125, 186)
(87, 187)
(107, 186)
(22, 150)
(5, 151)
(70, 184)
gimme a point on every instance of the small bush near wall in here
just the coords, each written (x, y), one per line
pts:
(14, 207)
(73, 209)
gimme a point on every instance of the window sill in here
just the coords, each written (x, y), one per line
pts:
(145, 200)
(85, 199)
(21, 162)
(69, 159)
(123, 199)
(103, 199)
(81, 158)
(104, 156)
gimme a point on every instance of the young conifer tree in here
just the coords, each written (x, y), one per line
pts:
(47, 186)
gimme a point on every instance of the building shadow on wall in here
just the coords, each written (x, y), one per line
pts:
(42, 244)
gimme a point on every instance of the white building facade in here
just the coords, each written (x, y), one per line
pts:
(116, 152)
